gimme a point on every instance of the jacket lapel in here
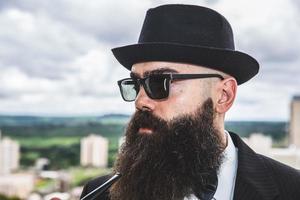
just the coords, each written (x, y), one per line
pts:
(253, 180)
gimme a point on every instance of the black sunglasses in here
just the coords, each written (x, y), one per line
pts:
(157, 86)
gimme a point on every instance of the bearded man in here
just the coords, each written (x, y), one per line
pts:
(184, 77)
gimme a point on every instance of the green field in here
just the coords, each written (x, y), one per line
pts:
(41, 142)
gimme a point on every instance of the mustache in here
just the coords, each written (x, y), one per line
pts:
(146, 119)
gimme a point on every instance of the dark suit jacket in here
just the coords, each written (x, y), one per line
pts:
(258, 177)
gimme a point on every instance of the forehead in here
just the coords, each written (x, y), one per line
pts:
(146, 67)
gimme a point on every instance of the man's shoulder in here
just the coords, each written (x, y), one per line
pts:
(285, 177)
(247, 157)
(265, 175)
(93, 184)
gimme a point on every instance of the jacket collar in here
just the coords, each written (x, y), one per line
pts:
(254, 180)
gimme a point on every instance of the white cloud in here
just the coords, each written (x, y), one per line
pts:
(16, 82)
(37, 44)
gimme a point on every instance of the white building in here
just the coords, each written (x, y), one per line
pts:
(260, 143)
(20, 185)
(289, 156)
(9, 155)
(94, 151)
(263, 145)
(295, 122)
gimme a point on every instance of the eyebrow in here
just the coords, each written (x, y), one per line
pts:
(156, 71)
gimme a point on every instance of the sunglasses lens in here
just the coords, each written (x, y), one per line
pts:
(157, 87)
(129, 89)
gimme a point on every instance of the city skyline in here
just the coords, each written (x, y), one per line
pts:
(57, 62)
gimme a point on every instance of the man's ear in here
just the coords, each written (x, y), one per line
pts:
(226, 94)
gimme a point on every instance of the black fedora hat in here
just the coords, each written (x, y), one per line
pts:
(188, 34)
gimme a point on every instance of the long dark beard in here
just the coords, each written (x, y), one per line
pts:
(172, 162)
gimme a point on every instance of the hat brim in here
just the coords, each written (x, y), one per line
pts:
(237, 64)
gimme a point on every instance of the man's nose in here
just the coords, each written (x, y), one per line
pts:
(143, 102)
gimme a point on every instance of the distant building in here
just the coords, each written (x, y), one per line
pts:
(263, 145)
(94, 151)
(9, 155)
(295, 122)
(260, 143)
(289, 156)
(20, 185)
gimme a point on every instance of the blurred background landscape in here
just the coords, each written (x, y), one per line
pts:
(56, 156)
(59, 138)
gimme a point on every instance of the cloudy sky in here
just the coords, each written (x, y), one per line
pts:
(55, 56)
